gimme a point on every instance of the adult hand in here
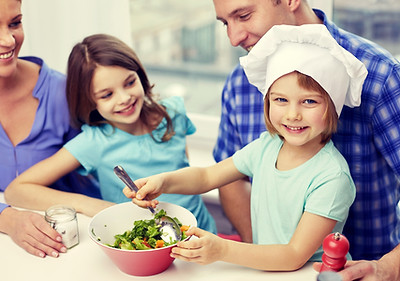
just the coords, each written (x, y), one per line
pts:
(364, 271)
(31, 232)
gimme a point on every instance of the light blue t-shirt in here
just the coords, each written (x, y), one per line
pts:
(100, 148)
(322, 186)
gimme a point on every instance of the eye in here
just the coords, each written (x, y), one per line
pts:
(245, 17)
(309, 101)
(280, 100)
(106, 95)
(16, 23)
(130, 82)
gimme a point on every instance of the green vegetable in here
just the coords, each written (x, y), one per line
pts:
(143, 236)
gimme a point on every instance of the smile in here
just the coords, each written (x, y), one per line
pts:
(7, 55)
(128, 109)
(294, 128)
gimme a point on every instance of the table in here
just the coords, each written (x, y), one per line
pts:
(87, 261)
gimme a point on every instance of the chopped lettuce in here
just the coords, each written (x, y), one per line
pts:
(143, 236)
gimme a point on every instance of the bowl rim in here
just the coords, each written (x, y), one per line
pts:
(96, 238)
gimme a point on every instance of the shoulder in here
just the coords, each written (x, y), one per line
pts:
(370, 53)
(50, 81)
(175, 105)
(332, 161)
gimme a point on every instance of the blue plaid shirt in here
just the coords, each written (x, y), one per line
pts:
(368, 137)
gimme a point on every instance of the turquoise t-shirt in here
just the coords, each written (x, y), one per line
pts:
(100, 148)
(322, 186)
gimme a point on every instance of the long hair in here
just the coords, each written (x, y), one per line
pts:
(330, 116)
(107, 50)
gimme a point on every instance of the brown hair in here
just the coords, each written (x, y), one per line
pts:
(107, 50)
(330, 116)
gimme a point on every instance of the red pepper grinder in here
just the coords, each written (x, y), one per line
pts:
(335, 246)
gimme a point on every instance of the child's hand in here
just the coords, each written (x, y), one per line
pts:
(205, 250)
(149, 189)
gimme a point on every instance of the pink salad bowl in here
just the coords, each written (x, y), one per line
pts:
(119, 218)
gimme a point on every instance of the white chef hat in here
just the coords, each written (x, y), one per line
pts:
(311, 50)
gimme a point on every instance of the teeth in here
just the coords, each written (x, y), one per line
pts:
(295, 128)
(249, 48)
(6, 55)
(127, 109)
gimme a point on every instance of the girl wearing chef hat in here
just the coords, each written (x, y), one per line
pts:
(301, 185)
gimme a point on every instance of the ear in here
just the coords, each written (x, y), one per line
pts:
(293, 5)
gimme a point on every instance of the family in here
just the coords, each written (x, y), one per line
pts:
(308, 143)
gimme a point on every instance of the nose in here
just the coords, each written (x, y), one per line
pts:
(123, 97)
(6, 38)
(293, 112)
(236, 34)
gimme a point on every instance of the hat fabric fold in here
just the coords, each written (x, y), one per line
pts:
(311, 50)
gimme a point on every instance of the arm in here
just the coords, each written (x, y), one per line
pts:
(235, 201)
(190, 180)
(307, 238)
(31, 232)
(30, 189)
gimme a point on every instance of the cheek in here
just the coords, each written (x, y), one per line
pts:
(275, 114)
(19, 39)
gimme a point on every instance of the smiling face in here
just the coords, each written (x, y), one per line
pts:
(247, 21)
(11, 35)
(119, 97)
(298, 115)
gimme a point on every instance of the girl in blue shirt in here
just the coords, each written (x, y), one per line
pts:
(111, 99)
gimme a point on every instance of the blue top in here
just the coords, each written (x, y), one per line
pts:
(368, 137)
(50, 131)
(100, 148)
(321, 186)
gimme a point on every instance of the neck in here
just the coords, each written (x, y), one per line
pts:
(304, 14)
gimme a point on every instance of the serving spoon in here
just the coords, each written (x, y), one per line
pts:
(169, 227)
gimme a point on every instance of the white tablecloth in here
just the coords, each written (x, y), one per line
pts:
(86, 261)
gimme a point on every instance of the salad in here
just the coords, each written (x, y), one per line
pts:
(145, 235)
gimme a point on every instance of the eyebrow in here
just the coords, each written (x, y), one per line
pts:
(234, 12)
(16, 17)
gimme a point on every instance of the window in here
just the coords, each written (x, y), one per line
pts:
(186, 50)
(376, 20)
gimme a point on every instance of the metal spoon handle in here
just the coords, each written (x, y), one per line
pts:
(123, 175)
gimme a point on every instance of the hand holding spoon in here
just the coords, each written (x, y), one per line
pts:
(170, 228)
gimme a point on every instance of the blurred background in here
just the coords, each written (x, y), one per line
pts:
(183, 47)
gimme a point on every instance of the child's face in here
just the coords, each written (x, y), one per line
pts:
(297, 114)
(119, 97)
(11, 35)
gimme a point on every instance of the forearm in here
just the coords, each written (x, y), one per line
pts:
(196, 180)
(389, 265)
(235, 201)
(264, 257)
(37, 197)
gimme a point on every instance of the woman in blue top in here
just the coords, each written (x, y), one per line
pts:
(34, 124)
(302, 188)
(110, 96)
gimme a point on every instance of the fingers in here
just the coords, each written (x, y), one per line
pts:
(31, 232)
(355, 270)
(317, 266)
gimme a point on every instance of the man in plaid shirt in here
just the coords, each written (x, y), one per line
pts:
(368, 136)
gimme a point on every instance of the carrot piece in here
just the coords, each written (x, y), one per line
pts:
(159, 243)
(184, 228)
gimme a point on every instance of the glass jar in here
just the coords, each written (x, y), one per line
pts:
(63, 219)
